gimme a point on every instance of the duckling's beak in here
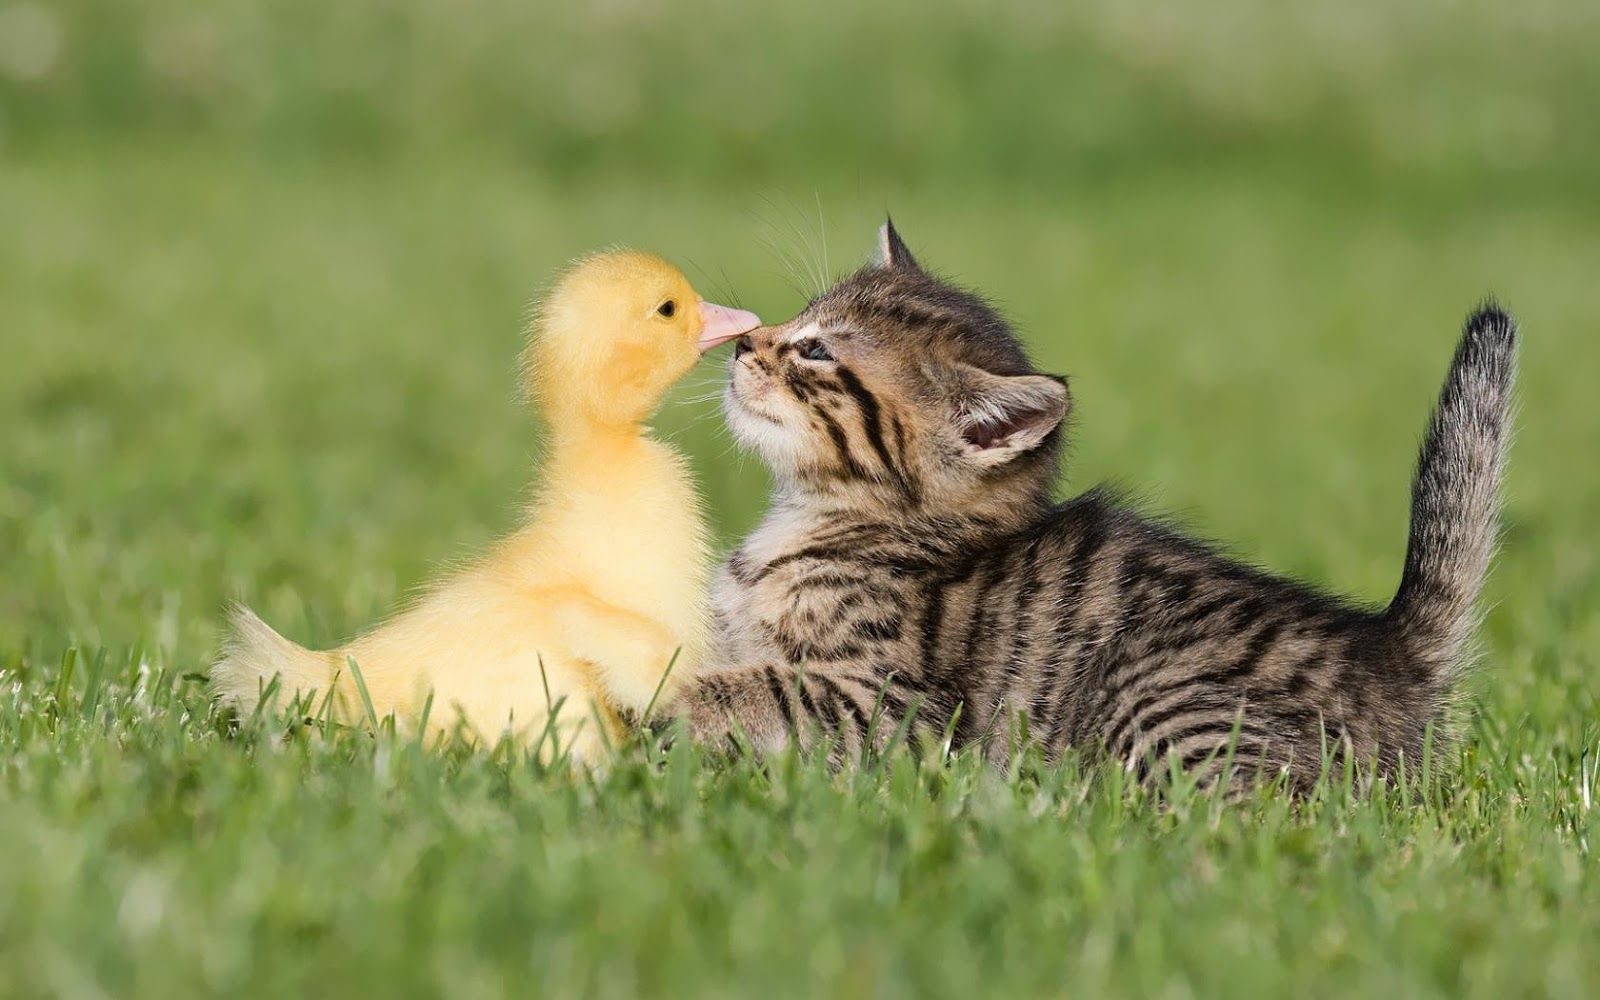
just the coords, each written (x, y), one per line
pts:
(721, 324)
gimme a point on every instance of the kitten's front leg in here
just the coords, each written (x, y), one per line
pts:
(750, 701)
(776, 705)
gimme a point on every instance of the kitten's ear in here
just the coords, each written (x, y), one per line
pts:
(1002, 416)
(892, 250)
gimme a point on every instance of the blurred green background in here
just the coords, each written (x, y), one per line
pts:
(264, 268)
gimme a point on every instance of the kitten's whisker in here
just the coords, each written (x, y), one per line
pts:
(795, 218)
(822, 235)
(706, 384)
(789, 272)
(796, 272)
(721, 287)
(728, 284)
(700, 400)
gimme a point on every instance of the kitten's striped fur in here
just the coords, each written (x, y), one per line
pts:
(912, 561)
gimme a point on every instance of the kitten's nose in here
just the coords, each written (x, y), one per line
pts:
(742, 347)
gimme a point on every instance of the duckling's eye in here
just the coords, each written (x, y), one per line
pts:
(813, 350)
(667, 308)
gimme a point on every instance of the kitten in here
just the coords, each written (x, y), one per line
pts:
(913, 563)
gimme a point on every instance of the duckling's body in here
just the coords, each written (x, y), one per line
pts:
(591, 600)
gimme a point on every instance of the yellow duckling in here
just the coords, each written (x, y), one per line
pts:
(599, 590)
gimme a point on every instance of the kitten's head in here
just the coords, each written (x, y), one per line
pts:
(897, 385)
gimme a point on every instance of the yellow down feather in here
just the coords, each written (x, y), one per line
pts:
(589, 601)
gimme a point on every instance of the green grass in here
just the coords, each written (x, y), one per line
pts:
(258, 335)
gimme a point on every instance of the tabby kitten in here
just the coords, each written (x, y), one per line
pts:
(913, 562)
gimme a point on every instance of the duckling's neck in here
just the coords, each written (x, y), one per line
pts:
(615, 493)
(588, 456)
(577, 435)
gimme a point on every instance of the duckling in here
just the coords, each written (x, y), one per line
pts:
(585, 606)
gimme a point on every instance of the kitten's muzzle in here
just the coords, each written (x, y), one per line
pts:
(749, 379)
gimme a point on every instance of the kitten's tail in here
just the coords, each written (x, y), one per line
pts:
(1455, 494)
(254, 654)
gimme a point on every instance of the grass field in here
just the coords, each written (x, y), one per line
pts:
(262, 277)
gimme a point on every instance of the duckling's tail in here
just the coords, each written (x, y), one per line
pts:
(254, 654)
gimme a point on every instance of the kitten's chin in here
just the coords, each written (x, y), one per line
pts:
(763, 434)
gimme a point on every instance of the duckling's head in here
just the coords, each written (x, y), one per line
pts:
(616, 331)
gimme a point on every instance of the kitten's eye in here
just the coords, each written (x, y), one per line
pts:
(813, 350)
(667, 308)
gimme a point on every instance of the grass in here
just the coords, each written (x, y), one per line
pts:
(259, 338)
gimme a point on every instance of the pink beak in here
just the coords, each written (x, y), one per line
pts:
(722, 324)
